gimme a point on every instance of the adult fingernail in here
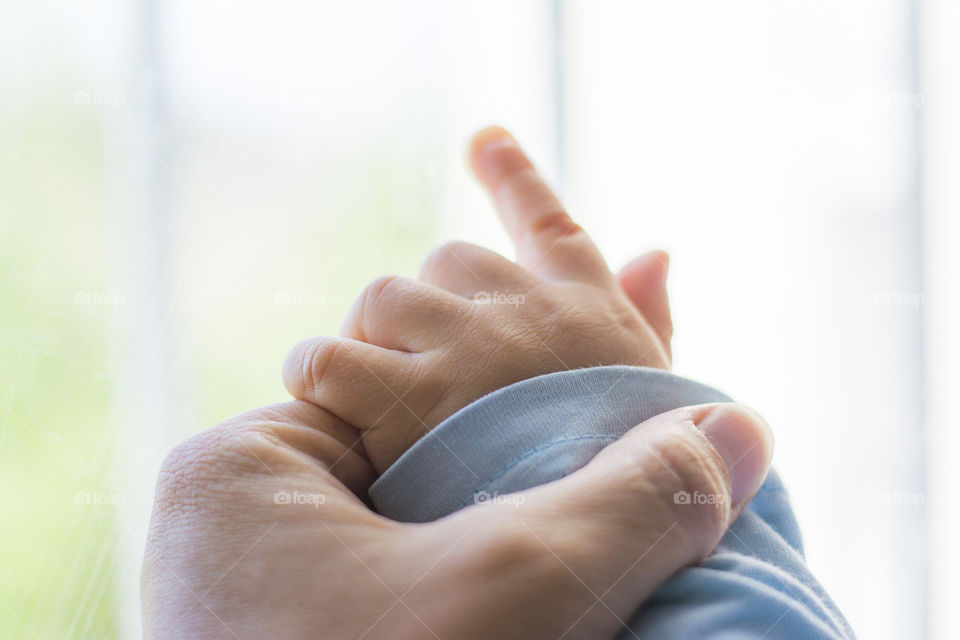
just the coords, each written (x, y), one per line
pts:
(744, 441)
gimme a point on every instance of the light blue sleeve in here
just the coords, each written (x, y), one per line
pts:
(755, 584)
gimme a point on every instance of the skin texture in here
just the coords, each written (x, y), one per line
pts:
(416, 351)
(260, 526)
(254, 535)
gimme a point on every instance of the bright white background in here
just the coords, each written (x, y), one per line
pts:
(797, 159)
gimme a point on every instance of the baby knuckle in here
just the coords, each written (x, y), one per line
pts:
(449, 255)
(554, 223)
(319, 360)
(564, 324)
(381, 292)
(308, 363)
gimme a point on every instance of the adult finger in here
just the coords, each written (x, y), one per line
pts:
(655, 501)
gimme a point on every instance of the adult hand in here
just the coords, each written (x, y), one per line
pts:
(257, 532)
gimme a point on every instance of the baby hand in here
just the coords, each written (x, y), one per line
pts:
(415, 352)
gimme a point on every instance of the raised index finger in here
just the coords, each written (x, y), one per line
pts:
(548, 241)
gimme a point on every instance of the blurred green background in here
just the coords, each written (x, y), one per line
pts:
(187, 189)
(62, 315)
(254, 268)
(185, 192)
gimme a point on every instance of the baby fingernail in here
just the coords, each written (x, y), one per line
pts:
(492, 138)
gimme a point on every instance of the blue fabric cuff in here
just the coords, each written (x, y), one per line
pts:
(527, 434)
(754, 584)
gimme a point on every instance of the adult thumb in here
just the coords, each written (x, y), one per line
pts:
(653, 502)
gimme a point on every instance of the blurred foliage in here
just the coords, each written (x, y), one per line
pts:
(55, 560)
(331, 224)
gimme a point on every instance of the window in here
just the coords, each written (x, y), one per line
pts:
(189, 188)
